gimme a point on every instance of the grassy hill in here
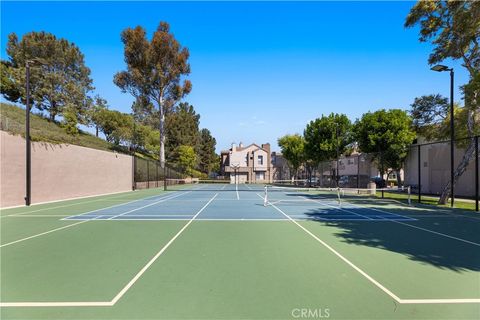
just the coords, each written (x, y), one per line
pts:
(12, 119)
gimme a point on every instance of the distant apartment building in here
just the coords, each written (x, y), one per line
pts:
(250, 164)
(281, 169)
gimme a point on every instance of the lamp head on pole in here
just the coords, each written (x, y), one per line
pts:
(440, 68)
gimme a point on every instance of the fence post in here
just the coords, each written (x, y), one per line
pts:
(382, 170)
(164, 177)
(419, 175)
(148, 174)
(134, 169)
(156, 175)
(358, 172)
(476, 175)
(321, 174)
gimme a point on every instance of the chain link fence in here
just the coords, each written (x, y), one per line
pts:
(426, 171)
(149, 174)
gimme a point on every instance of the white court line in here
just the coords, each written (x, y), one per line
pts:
(38, 216)
(49, 208)
(58, 304)
(339, 208)
(124, 289)
(437, 233)
(70, 199)
(201, 219)
(236, 189)
(117, 205)
(438, 301)
(116, 195)
(422, 206)
(146, 217)
(149, 205)
(159, 253)
(224, 187)
(412, 226)
(43, 233)
(376, 283)
(368, 277)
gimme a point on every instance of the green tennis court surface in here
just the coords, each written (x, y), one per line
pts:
(220, 251)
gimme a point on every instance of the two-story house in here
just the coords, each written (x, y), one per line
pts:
(250, 164)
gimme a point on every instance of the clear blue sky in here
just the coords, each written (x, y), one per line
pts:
(259, 70)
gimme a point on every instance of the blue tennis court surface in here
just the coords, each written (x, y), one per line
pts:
(245, 202)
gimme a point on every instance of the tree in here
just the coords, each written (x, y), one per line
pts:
(293, 150)
(94, 112)
(388, 134)
(453, 28)
(116, 126)
(431, 118)
(326, 136)
(182, 127)
(207, 158)
(8, 87)
(186, 159)
(154, 69)
(59, 82)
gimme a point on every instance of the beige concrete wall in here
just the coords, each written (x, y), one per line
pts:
(435, 170)
(59, 171)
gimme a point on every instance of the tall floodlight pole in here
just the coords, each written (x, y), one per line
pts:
(441, 68)
(28, 156)
(336, 138)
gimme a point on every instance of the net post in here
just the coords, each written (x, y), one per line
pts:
(338, 197)
(476, 176)
(419, 175)
(265, 199)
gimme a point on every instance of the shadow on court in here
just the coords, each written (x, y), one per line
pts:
(417, 244)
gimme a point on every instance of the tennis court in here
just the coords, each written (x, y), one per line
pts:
(223, 251)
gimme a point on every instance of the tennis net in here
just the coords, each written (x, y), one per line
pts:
(338, 195)
(227, 185)
(289, 189)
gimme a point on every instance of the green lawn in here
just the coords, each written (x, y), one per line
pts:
(429, 200)
(12, 119)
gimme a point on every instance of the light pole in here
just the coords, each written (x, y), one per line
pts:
(441, 68)
(28, 155)
(28, 149)
(337, 178)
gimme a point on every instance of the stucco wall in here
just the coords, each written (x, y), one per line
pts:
(59, 171)
(435, 170)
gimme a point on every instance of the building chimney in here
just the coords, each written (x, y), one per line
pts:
(240, 145)
(266, 146)
(234, 146)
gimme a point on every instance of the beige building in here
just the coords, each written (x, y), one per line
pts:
(250, 164)
(281, 169)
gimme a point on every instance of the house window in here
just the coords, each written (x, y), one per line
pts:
(259, 175)
(260, 161)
